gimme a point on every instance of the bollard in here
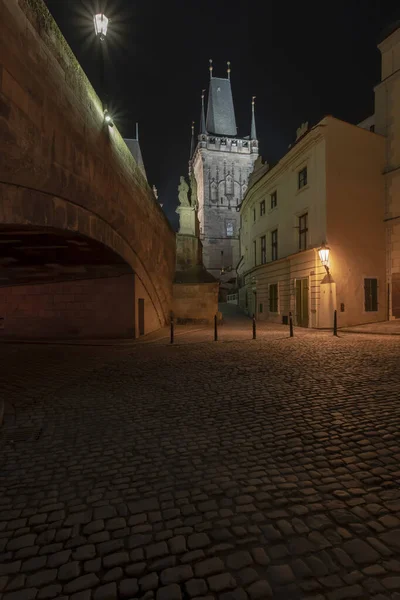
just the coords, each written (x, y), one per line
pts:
(335, 323)
(172, 329)
(215, 329)
(291, 324)
(254, 327)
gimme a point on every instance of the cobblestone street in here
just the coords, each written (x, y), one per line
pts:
(233, 470)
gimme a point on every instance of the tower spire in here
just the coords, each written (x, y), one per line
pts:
(202, 116)
(229, 69)
(137, 131)
(192, 142)
(210, 68)
(253, 134)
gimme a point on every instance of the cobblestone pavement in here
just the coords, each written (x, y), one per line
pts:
(239, 470)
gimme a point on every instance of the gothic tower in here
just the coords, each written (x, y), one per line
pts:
(221, 164)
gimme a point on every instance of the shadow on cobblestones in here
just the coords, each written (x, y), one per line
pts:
(237, 470)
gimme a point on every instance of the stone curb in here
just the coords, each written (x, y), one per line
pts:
(368, 332)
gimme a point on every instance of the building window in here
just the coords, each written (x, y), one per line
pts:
(263, 250)
(262, 208)
(274, 244)
(254, 215)
(273, 297)
(303, 232)
(371, 295)
(274, 199)
(302, 178)
(255, 252)
(229, 228)
(260, 308)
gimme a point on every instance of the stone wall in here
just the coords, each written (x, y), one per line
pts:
(97, 308)
(195, 302)
(61, 167)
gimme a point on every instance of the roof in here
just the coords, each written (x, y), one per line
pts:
(220, 112)
(134, 148)
(385, 33)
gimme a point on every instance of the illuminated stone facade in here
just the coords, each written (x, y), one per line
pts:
(222, 163)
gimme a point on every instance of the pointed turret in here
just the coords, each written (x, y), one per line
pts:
(220, 111)
(192, 142)
(202, 116)
(253, 134)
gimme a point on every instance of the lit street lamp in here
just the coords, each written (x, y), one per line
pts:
(100, 22)
(100, 25)
(324, 256)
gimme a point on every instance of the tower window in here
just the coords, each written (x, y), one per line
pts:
(229, 228)
(262, 208)
(274, 199)
(222, 200)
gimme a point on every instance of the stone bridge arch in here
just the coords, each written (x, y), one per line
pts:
(62, 169)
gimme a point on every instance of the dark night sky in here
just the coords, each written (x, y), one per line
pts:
(302, 61)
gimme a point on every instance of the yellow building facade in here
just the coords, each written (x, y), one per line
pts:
(328, 189)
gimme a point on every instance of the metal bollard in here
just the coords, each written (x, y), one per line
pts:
(172, 329)
(335, 323)
(254, 327)
(215, 329)
(291, 324)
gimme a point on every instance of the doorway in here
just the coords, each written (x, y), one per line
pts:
(302, 287)
(141, 315)
(396, 295)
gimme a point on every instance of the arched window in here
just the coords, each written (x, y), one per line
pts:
(214, 192)
(229, 184)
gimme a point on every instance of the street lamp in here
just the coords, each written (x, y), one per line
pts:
(324, 256)
(100, 25)
(108, 118)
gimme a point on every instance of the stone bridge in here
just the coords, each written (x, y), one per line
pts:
(85, 249)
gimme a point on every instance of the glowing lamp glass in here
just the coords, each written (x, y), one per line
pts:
(100, 25)
(324, 255)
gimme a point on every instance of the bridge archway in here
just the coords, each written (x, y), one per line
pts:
(65, 272)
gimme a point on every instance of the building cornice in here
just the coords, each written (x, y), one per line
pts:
(279, 260)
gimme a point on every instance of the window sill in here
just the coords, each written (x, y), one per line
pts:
(271, 210)
(302, 189)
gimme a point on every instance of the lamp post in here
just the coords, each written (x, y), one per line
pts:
(100, 22)
(324, 256)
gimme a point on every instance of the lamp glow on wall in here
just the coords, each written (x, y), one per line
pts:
(108, 118)
(100, 25)
(324, 256)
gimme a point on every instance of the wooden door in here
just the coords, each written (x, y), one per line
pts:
(141, 315)
(302, 302)
(396, 295)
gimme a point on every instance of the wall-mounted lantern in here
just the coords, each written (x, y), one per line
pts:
(108, 118)
(324, 256)
(100, 25)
